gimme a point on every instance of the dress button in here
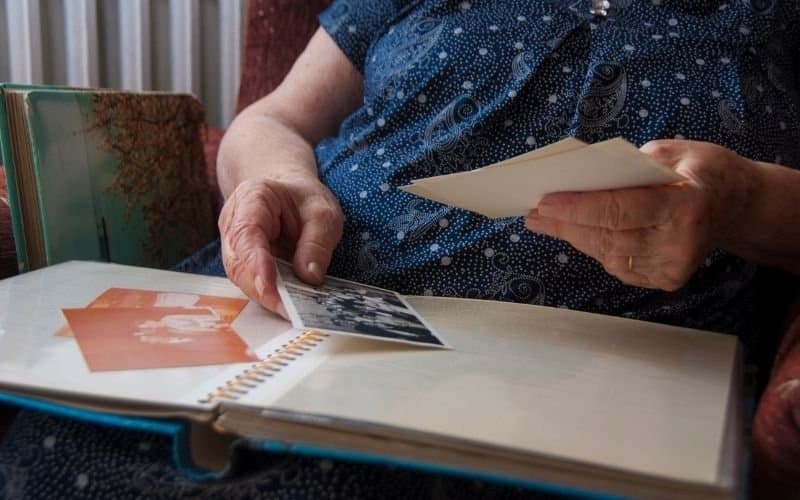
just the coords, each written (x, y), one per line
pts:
(600, 7)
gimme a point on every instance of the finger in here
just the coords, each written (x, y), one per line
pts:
(252, 204)
(245, 224)
(617, 209)
(321, 232)
(656, 272)
(634, 270)
(635, 257)
(627, 255)
(598, 242)
(256, 276)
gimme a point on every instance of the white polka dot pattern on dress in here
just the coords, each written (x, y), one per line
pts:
(451, 87)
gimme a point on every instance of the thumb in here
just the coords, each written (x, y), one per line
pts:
(320, 233)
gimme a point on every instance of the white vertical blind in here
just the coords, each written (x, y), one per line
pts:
(185, 45)
(24, 40)
(80, 19)
(230, 40)
(134, 29)
(128, 44)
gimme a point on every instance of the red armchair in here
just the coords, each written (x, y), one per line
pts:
(776, 429)
(276, 33)
(277, 30)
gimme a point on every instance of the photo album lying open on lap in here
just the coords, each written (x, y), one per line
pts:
(523, 393)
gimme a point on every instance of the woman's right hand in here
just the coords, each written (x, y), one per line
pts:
(298, 220)
(276, 205)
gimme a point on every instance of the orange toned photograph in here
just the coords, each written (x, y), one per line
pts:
(226, 308)
(154, 337)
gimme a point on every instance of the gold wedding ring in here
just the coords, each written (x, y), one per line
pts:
(630, 263)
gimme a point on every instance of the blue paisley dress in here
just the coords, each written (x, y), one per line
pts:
(452, 85)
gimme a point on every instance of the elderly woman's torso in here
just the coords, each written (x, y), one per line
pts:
(453, 86)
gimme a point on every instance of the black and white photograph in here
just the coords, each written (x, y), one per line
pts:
(344, 307)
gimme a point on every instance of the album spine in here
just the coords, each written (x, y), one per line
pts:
(259, 373)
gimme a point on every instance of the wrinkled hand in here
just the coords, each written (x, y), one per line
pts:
(297, 220)
(656, 237)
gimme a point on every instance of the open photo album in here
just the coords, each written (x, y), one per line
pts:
(520, 393)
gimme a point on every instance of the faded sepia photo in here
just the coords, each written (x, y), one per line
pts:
(154, 337)
(223, 308)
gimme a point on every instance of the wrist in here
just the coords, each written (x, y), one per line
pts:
(737, 184)
(258, 146)
(744, 180)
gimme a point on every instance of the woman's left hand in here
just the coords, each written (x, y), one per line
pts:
(656, 237)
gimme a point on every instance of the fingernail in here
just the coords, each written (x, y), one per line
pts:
(282, 311)
(259, 284)
(314, 270)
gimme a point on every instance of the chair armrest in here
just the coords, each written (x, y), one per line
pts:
(776, 427)
(276, 32)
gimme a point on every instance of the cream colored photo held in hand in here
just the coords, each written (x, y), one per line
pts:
(513, 187)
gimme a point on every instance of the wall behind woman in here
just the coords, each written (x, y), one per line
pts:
(176, 45)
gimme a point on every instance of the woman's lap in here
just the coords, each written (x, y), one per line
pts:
(49, 457)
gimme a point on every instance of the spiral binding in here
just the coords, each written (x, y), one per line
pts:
(258, 373)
